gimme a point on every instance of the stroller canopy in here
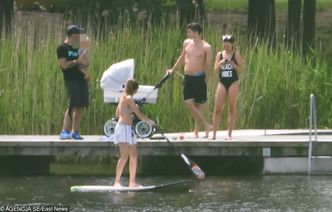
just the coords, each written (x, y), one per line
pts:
(115, 78)
(117, 75)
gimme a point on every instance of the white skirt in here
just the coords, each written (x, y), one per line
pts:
(123, 133)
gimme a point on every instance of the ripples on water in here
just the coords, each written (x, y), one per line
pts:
(266, 193)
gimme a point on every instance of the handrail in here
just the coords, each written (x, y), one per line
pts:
(312, 124)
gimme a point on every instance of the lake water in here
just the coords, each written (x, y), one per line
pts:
(245, 193)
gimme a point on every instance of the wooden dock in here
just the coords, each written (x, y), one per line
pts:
(280, 151)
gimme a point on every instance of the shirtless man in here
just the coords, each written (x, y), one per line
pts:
(196, 56)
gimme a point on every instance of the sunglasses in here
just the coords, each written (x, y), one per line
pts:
(227, 38)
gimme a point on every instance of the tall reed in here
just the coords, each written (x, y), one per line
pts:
(275, 86)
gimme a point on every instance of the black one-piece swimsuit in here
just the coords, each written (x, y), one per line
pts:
(228, 74)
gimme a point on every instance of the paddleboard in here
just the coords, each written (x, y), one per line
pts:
(107, 188)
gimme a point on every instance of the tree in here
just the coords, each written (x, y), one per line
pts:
(293, 24)
(190, 11)
(309, 13)
(6, 16)
(262, 21)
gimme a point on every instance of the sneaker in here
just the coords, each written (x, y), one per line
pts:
(76, 135)
(65, 134)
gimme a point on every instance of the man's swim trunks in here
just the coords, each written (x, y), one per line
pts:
(194, 88)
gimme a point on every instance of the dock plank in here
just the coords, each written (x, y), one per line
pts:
(244, 143)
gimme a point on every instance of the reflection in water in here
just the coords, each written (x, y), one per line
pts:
(120, 197)
(266, 193)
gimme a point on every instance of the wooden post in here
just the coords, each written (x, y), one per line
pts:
(262, 21)
(6, 16)
(309, 13)
(190, 11)
(293, 24)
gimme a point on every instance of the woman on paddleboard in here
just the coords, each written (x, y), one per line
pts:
(124, 135)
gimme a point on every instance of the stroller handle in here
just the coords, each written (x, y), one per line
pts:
(163, 80)
(142, 101)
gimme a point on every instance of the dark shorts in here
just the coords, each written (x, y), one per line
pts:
(194, 88)
(78, 93)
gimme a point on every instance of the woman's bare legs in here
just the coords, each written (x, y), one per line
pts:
(132, 166)
(233, 92)
(124, 154)
(218, 107)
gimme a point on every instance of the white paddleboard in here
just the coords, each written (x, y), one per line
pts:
(106, 188)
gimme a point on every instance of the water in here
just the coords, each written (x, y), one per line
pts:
(262, 193)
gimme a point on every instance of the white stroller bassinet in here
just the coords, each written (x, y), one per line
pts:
(113, 82)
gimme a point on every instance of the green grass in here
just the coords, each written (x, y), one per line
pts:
(275, 87)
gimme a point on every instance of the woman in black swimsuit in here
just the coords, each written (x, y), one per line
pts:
(228, 64)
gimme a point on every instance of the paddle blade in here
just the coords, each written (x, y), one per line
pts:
(194, 167)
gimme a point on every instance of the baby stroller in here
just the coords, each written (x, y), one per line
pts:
(113, 82)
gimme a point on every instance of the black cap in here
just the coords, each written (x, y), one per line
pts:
(73, 29)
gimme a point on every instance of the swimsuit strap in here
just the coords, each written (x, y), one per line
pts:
(232, 58)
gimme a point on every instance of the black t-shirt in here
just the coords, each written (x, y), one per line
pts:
(66, 51)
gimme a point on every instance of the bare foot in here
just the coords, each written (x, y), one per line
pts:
(214, 134)
(228, 138)
(208, 128)
(117, 184)
(134, 185)
(195, 134)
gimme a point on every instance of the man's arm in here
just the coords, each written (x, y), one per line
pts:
(208, 62)
(65, 64)
(217, 62)
(179, 61)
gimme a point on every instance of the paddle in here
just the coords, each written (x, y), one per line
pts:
(195, 169)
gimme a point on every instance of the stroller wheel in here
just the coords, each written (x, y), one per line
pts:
(109, 127)
(144, 130)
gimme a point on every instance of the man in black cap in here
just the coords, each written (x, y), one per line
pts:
(75, 82)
